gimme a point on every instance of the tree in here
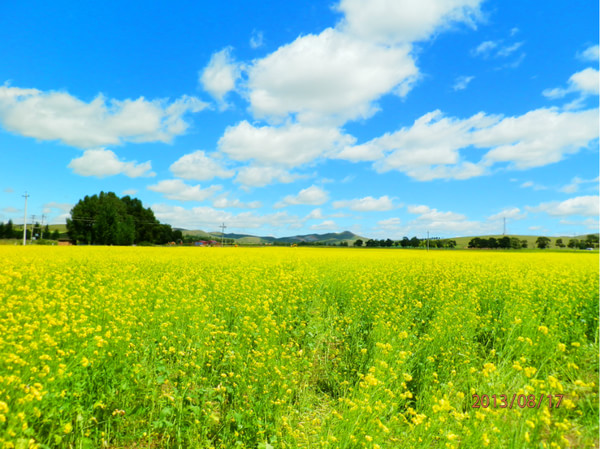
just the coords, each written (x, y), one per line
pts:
(55, 235)
(504, 242)
(559, 243)
(388, 243)
(524, 243)
(106, 219)
(515, 243)
(9, 232)
(543, 242)
(414, 242)
(37, 230)
(358, 242)
(46, 232)
(405, 242)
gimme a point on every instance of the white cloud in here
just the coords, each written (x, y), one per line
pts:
(584, 83)
(462, 82)
(61, 116)
(330, 76)
(289, 145)
(176, 189)
(485, 48)
(393, 224)
(226, 203)
(366, 204)
(200, 167)
(327, 225)
(398, 21)
(428, 214)
(497, 49)
(220, 75)
(208, 218)
(581, 205)
(576, 182)
(129, 192)
(54, 206)
(315, 214)
(591, 53)
(532, 185)
(539, 137)
(10, 210)
(101, 163)
(259, 176)
(431, 148)
(512, 213)
(312, 195)
(257, 39)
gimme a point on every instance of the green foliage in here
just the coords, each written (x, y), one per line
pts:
(106, 219)
(543, 242)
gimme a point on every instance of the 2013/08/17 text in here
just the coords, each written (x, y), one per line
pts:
(521, 401)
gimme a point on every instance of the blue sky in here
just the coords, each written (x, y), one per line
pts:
(388, 118)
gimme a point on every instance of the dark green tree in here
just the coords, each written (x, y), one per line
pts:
(358, 242)
(559, 243)
(55, 235)
(37, 230)
(543, 242)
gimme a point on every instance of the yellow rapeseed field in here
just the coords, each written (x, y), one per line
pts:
(107, 347)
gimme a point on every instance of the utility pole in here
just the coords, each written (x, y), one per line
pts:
(25, 220)
(42, 227)
(222, 233)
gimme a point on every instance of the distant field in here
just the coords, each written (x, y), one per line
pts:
(122, 347)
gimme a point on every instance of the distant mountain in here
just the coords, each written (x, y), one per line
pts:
(331, 237)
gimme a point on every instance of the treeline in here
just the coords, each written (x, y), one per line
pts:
(106, 219)
(9, 231)
(405, 242)
(591, 241)
(492, 243)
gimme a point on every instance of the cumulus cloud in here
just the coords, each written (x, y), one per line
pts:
(208, 218)
(315, 214)
(289, 145)
(200, 167)
(539, 137)
(312, 195)
(101, 163)
(584, 83)
(591, 53)
(63, 117)
(366, 204)
(327, 225)
(331, 76)
(260, 176)
(586, 206)
(511, 213)
(431, 147)
(226, 203)
(400, 21)
(220, 75)
(176, 189)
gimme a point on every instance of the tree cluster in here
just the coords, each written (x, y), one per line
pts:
(591, 241)
(9, 231)
(106, 219)
(492, 243)
(407, 243)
